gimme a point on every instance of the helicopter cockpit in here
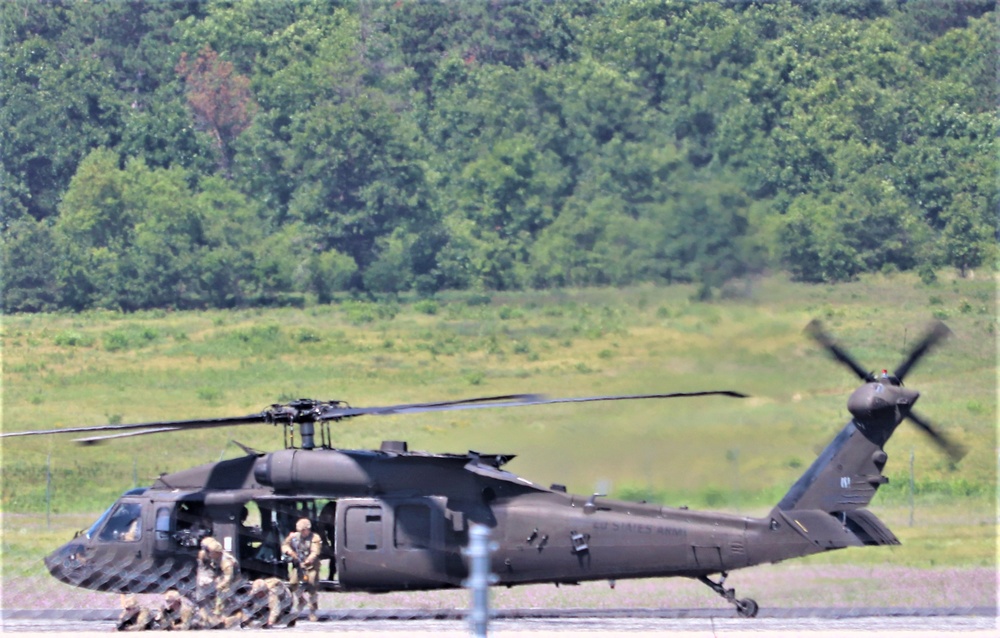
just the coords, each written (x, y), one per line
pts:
(111, 554)
(148, 540)
(120, 521)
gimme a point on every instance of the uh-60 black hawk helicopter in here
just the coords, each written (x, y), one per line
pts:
(395, 519)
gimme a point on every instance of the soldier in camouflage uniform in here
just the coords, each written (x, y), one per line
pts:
(178, 614)
(303, 548)
(269, 604)
(217, 578)
(205, 574)
(134, 617)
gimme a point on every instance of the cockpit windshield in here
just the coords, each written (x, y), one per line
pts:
(89, 533)
(103, 518)
(124, 523)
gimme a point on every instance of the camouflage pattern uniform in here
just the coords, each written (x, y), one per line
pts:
(269, 604)
(134, 617)
(178, 614)
(217, 577)
(304, 547)
(205, 574)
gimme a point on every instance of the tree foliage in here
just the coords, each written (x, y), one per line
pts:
(181, 154)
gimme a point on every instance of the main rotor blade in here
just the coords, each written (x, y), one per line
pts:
(340, 412)
(815, 330)
(954, 450)
(935, 333)
(154, 425)
(307, 411)
(520, 401)
(93, 440)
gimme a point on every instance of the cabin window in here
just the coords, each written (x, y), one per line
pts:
(125, 523)
(413, 526)
(364, 528)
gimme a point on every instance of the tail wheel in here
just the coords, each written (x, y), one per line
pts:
(746, 608)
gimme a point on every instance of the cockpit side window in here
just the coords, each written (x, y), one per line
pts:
(124, 524)
(163, 523)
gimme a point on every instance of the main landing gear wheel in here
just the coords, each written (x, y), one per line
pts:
(745, 607)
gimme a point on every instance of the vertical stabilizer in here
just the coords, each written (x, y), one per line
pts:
(844, 477)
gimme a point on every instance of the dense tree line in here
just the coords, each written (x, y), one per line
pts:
(193, 154)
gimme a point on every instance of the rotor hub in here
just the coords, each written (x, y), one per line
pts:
(879, 401)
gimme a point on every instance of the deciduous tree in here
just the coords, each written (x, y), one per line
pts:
(220, 99)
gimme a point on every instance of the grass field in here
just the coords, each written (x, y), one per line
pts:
(738, 455)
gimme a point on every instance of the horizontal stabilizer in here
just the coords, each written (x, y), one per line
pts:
(836, 530)
(822, 529)
(867, 527)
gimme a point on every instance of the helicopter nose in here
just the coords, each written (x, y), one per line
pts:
(68, 563)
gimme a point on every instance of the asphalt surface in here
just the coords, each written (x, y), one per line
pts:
(816, 623)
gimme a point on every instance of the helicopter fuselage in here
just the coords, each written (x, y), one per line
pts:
(396, 520)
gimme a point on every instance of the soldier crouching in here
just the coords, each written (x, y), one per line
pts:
(269, 605)
(218, 578)
(135, 617)
(178, 614)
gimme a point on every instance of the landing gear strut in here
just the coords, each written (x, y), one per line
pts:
(745, 607)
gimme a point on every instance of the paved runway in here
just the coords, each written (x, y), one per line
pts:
(817, 623)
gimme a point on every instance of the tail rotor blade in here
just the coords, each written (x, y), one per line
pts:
(954, 450)
(815, 330)
(936, 333)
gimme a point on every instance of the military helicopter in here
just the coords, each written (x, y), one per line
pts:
(395, 519)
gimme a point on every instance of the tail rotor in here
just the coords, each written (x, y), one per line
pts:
(882, 403)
